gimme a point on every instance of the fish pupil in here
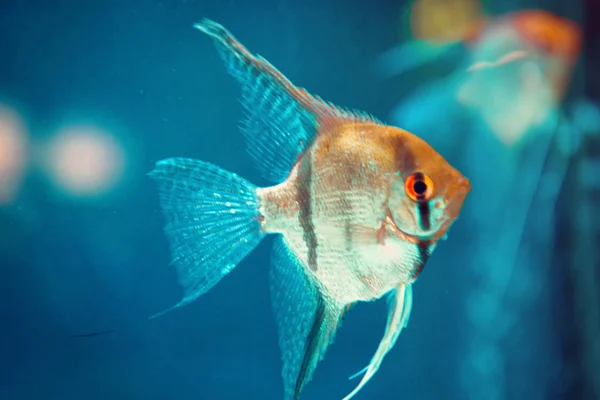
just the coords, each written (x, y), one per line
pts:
(420, 187)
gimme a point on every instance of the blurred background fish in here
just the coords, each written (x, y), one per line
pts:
(508, 122)
(93, 95)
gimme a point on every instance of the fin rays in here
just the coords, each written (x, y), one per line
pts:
(281, 119)
(306, 322)
(400, 305)
(311, 350)
(211, 221)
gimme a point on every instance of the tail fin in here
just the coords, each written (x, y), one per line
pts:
(212, 221)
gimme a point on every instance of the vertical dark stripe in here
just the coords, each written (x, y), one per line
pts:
(311, 348)
(422, 207)
(424, 251)
(305, 216)
(424, 222)
(346, 212)
(348, 235)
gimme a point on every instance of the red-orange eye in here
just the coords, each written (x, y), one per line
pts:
(419, 187)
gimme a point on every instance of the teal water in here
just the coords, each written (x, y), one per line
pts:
(76, 264)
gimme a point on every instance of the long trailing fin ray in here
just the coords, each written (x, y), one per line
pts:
(306, 323)
(400, 305)
(212, 221)
(281, 119)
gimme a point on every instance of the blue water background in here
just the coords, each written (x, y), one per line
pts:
(70, 267)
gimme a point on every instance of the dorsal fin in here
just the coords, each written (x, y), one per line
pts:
(281, 119)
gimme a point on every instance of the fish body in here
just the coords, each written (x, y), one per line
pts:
(355, 251)
(358, 207)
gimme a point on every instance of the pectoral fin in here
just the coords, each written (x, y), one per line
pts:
(400, 304)
(306, 322)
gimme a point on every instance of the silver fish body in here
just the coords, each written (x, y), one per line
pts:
(357, 206)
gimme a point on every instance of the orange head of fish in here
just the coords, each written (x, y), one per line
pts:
(426, 192)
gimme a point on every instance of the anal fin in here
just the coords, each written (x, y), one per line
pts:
(306, 321)
(400, 306)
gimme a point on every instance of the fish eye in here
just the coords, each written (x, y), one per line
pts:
(418, 186)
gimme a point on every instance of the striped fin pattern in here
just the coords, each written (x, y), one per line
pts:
(281, 120)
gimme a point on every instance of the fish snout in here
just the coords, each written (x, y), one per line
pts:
(465, 184)
(460, 187)
(456, 196)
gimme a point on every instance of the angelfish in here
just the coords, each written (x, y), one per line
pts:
(357, 207)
